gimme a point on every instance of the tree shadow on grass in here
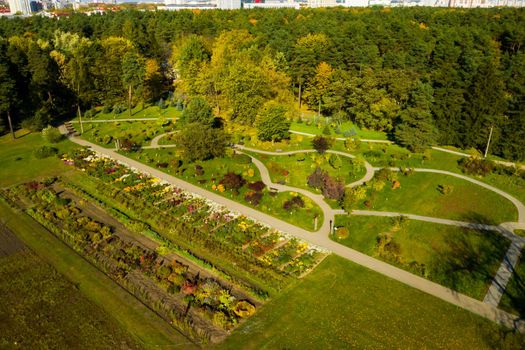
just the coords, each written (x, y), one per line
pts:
(469, 259)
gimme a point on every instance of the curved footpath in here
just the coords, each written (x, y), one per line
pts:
(486, 310)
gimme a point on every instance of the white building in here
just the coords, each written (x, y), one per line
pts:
(354, 3)
(272, 5)
(19, 6)
(228, 4)
(323, 3)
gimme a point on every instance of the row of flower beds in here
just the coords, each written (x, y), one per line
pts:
(199, 307)
(234, 244)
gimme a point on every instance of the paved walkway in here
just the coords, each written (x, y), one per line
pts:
(483, 309)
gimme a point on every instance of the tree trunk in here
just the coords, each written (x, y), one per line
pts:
(129, 100)
(80, 119)
(11, 125)
(300, 88)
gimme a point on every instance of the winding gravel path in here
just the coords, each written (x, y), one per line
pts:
(321, 238)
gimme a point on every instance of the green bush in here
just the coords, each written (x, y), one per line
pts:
(475, 166)
(52, 134)
(118, 108)
(44, 152)
(335, 161)
(106, 109)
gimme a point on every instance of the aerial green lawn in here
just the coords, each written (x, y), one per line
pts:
(462, 259)
(513, 299)
(213, 171)
(293, 170)
(419, 194)
(317, 129)
(42, 309)
(341, 305)
(520, 232)
(140, 132)
(20, 165)
(138, 112)
(149, 329)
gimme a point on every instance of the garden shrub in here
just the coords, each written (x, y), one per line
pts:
(300, 157)
(321, 143)
(118, 108)
(342, 233)
(475, 166)
(335, 161)
(244, 309)
(385, 174)
(333, 189)
(52, 135)
(445, 189)
(242, 158)
(326, 130)
(162, 165)
(199, 170)
(317, 178)
(294, 202)
(232, 181)
(45, 152)
(253, 198)
(107, 139)
(106, 109)
(257, 186)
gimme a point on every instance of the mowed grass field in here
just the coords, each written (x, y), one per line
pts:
(341, 305)
(18, 163)
(39, 308)
(462, 259)
(419, 195)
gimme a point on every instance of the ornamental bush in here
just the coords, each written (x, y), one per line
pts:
(52, 135)
(232, 181)
(475, 166)
(44, 152)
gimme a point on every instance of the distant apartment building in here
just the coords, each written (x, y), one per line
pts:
(272, 4)
(323, 3)
(228, 4)
(19, 6)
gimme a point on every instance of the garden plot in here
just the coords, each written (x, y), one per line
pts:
(237, 178)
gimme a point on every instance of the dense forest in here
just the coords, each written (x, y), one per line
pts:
(424, 75)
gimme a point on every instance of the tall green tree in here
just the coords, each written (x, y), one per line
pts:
(197, 111)
(133, 74)
(416, 129)
(7, 89)
(272, 124)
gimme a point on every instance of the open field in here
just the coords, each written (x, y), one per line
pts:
(341, 305)
(513, 299)
(149, 330)
(19, 164)
(419, 194)
(139, 132)
(41, 309)
(137, 113)
(309, 127)
(462, 259)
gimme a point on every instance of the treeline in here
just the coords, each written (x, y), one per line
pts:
(424, 75)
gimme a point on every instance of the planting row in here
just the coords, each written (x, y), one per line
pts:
(228, 241)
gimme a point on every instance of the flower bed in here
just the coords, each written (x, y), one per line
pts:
(194, 223)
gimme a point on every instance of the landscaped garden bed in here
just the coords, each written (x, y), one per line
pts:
(234, 177)
(465, 260)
